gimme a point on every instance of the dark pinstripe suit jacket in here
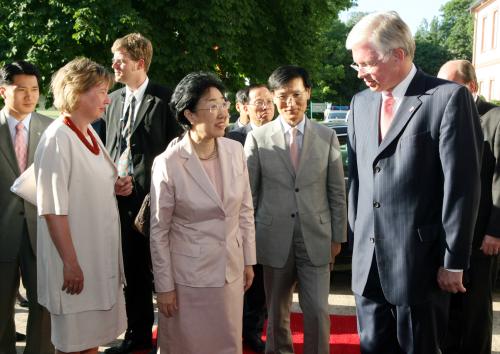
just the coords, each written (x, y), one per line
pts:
(413, 198)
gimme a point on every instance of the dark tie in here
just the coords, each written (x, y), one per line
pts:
(125, 160)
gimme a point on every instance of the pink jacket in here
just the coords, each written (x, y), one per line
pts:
(197, 239)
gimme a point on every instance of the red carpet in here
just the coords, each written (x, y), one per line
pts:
(343, 335)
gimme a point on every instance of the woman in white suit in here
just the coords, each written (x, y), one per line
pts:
(80, 268)
(202, 226)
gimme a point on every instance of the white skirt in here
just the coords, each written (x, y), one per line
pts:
(84, 330)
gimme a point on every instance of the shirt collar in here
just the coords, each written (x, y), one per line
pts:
(287, 127)
(138, 94)
(399, 90)
(13, 122)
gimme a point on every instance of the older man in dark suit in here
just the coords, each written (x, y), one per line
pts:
(20, 131)
(415, 146)
(139, 126)
(471, 313)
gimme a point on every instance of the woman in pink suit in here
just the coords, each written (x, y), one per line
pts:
(202, 226)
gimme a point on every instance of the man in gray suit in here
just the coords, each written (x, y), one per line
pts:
(415, 146)
(297, 182)
(20, 131)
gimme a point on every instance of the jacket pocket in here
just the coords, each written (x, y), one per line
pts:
(185, 248)
(429, 233)
(264, 219)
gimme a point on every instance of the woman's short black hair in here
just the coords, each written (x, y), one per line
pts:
(188, 92)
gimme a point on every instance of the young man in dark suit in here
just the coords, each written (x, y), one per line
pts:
(415, 147)
(138, 126)
(20, 132)
(471, 313)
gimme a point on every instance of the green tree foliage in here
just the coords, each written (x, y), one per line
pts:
(447, 37)
(337, 82)
(238, 39)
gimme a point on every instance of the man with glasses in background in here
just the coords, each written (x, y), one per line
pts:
(259, 108)
(297, 182)
(414, 159)
(139, 125)
(241, 100)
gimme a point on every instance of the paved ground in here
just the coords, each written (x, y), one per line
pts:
(341, 303)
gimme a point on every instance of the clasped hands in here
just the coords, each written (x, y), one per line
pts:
(124, 186)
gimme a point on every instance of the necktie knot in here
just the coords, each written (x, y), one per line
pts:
(19, 127)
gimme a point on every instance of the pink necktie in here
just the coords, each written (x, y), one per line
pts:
(387, 113)
(21, 147)
(294, 148)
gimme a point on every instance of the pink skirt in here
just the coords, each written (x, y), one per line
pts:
(208, 321)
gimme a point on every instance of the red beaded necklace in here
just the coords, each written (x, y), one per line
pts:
(94, 148)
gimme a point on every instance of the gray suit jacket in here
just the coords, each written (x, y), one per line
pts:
(316, 192)
(413, 198)
(14, 209)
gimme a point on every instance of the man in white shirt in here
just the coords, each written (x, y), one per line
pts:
(20, 132)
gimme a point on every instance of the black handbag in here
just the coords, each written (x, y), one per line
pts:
(142, 222)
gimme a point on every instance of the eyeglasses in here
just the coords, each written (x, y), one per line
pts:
(261, 104)
(296, 96)
(368, 68)
(216, 107)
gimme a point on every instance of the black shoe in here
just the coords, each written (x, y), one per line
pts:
(255, 343)
(20, 337)
(127, 347)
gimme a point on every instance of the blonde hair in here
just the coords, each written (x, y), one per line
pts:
(385, 31)
(137, 46)
(75, 78)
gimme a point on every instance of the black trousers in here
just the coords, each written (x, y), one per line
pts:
(471, 313)
(254, 305)
(138, 274)
(385, 328)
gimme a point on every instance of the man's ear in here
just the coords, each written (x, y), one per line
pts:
(472, 86)
(141, 64)
(2, 91)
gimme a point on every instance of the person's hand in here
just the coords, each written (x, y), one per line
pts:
(450, 281)
(72, 278)
(335, 250)
(248, 276)
(490, 245)
(124, 186)
(167, 303)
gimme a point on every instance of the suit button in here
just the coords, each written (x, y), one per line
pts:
(377, 169)
(376, 204)
(21, 213)
(296, 189)
(293, 215)
(372, 239)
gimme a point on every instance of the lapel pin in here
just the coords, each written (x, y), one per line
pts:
(412, 108)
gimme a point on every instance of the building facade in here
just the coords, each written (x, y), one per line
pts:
(486, 47)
